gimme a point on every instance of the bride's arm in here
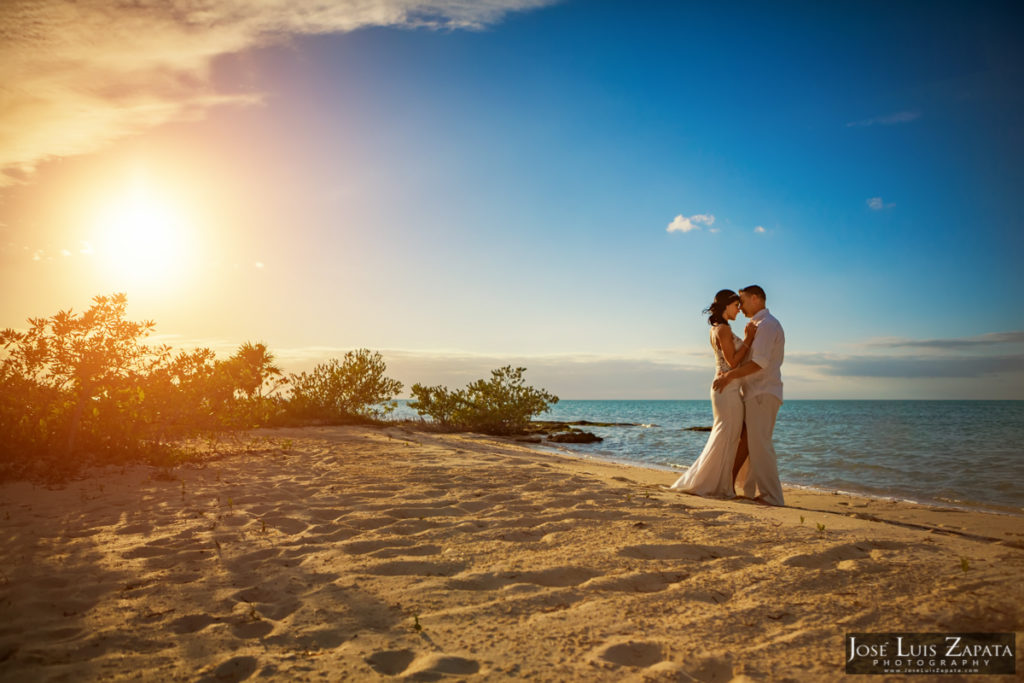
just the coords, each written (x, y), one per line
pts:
(734, 355)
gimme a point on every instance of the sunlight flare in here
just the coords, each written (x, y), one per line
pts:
(144, 238)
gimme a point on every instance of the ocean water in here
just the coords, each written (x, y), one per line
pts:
(964, 453)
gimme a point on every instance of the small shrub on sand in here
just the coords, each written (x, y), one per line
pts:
(500, 405)
(340, 390)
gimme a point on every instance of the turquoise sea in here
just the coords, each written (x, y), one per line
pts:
(963, 453)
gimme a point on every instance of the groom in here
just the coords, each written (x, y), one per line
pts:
(762, 398)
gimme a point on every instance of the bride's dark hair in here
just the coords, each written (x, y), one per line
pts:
(718, 306)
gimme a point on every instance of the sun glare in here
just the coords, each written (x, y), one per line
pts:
(144, 239)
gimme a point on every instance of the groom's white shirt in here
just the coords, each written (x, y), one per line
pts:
(768, 351)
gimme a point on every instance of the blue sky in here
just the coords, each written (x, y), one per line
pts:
(499, 189)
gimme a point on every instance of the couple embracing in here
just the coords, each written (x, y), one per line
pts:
(739, 458)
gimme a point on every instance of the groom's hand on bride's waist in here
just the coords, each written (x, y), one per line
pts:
(748, 368)
(719, 382)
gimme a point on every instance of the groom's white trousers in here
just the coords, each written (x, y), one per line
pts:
(759, 477)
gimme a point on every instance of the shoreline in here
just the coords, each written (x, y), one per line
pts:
(936, 452)
(969, 506)
(811, 499)
(966, 506)
(382, 554)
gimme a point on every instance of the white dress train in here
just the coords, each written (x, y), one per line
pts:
(711, 474)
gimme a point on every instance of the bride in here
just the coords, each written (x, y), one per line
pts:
(715, 470)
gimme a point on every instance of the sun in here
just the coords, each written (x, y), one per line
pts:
(144, 238)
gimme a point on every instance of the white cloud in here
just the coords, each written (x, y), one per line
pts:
(80, 75)
(876, 204)
(886, 120)
(683, 224)
(760, 230)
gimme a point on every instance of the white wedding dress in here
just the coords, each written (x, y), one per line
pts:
(711, 474)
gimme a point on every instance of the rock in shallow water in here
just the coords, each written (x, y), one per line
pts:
(575, 437)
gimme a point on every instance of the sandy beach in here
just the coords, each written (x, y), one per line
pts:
(351, 553)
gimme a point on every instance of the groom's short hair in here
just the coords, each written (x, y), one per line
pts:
(754, 289)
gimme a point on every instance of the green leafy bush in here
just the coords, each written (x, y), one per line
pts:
(500, 405)
(71, 382)
(83, 387)
(338, 391)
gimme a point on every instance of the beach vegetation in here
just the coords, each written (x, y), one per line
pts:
(344, 390)
(86, 388)
(70, 383)
(81, 388)
(501, 405)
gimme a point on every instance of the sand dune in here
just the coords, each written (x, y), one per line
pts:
(362, 554)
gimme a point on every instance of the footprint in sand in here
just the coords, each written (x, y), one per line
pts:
(714, 597)
(631, 653)
(327, 514)
(287, 525)
(323, 639)
(640, 582)
(720, 518)
(251, 629)
(519, 535)
(836, 554)
(555, 577)
(234, 669)
(264, 601)
(192, 623)
(558, 577)
(678, 551)
(429, 667)
(391, 662)
(437, 665)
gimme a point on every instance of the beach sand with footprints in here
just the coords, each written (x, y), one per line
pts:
(349, 553)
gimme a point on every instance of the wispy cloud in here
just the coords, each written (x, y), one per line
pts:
(80, 75)
(999, 354)
(976, 342)
(876, 204)
(943, 367)
(886, 120)
(683, 223)
(760, 230)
